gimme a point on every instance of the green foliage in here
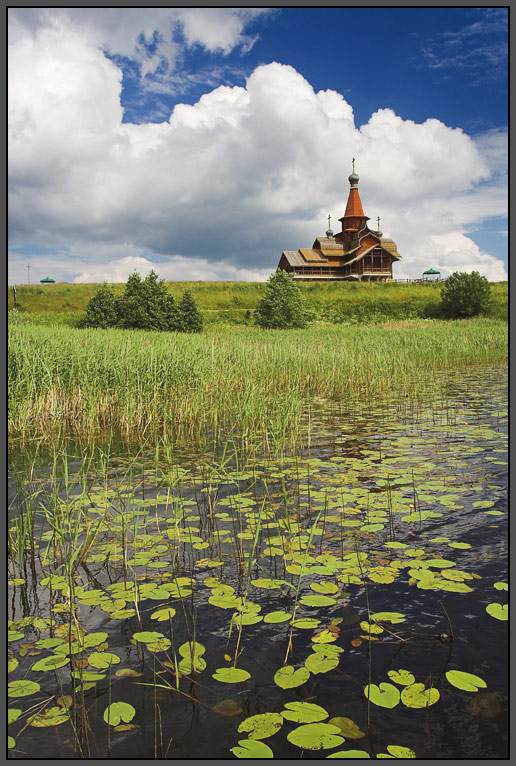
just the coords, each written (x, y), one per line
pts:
(145, 305)
(101, 310)
(465, 295)
(282, 306)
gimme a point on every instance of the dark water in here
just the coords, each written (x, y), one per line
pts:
(443, 455)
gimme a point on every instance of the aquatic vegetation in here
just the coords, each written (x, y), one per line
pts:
(298, 600)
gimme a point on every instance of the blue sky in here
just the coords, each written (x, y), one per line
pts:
(208, 140)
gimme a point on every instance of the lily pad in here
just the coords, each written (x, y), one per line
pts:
(384, 695)
(252, 748)
(466, 681)
(401, 677)
(316, 663)
(392, 617)
(50, 717)
(51, 663)
(417, 696)
(306, 623)
(498, 611)
(349, 754)
(289, 678)
(231, 675)
(397, 751)
(22, 688)
(119, 711)
(316, 736)
(103, 660)
(261, 726)
(304, 712)
(348, 728)
(148, 636)
(317, 600)
(277, 617)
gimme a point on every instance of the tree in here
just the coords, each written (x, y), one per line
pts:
(145, 304)
(282, 306)
(464, 295)
(101, 310)
(190, 318)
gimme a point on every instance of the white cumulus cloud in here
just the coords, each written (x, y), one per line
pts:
(219, 189)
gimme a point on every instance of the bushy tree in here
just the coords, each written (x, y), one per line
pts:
(101, 310)
(464, 295)
(283, 305)
(190, 318)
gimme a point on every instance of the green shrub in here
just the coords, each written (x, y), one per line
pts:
(189, 317)
(282, 306)
(101, 310)
(465, 295)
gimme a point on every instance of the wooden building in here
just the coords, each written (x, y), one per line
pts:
(355, 253)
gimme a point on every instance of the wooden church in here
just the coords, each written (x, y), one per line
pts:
(355, 253)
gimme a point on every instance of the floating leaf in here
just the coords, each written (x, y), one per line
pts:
(261, 726)
(348, 728)
(316, 736)
(227, 707)
(51, 663)
(307, 623)
(484, 705)
(316, 663)
(13, 714)
(289, 678)
(267, 583)
(349, 754)
(22, 688)
(246, 619)
(324, 637)
(460, 546)
(417, 696)
(49, 643)
(466, 681)
(401, 677)
(498, 611)
(501, 586)
(119, 711)
(163, 614)
(231, 675)
(14, 635)
(397, 751)
(324, 587)
(384, 695)
(128, 673)
(93, 639)
(103, 659)
(367, 628)
(304, 712)
(439, 563)
(317, 601)
(148, 636)
(276, 617)
(252, 748)
(392, 617)
(50, 717)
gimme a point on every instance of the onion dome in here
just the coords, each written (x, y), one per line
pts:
(353, 180)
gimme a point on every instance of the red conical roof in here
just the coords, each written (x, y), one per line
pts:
(354, 207)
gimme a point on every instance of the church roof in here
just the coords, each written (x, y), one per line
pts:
(354, 207)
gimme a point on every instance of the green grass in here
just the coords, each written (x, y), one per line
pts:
(226, 303)
(242, 380)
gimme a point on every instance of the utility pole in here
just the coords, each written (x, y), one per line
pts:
(28, 272)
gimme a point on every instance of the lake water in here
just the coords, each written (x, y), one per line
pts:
(397, 510)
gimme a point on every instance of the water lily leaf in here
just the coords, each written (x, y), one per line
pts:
(88, 675)
(401, 677)
(22, 688)
(49, 643)
(324, 587)
(384, 695)
(147, 636)
(103, 660)
(11, 742)
(261, 726)
(304, 712)
(119, 711)
(315, 736)
(231, 675)
(392, 617)
(12, 664)
(327, 650)
(50, 717)
(276, 617)
(267, 583)
(397, 751)
(368, 628)
(289, 678)
(501, 586)
(306, 623)
(163, 614)
(498, 611)
(93, 639)
(417, 696)
(348, 728)
(252, 748)
(13, 714)
(317, 600)
(484, 705)
(324, 637)
(227, 707)
(316, 663)
(460, 546)
(51, 663)
(128, 673)
(455, 587)
(14, 635)
(395, 544)
(349, 754)
(224, 602)
(122, 614)
(466, 681)
(246, 619)
(439, 563)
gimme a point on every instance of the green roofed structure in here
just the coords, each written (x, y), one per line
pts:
(431, 273)
(47, 279)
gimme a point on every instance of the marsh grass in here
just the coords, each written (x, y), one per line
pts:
(233, 382)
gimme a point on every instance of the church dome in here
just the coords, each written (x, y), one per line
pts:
(353, 178)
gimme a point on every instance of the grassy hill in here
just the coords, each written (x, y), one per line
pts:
(233, 303)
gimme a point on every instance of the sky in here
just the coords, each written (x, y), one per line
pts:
(202, 142)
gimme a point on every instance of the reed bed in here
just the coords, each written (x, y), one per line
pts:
(244, 380)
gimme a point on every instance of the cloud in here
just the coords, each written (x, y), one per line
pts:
(220, 188)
